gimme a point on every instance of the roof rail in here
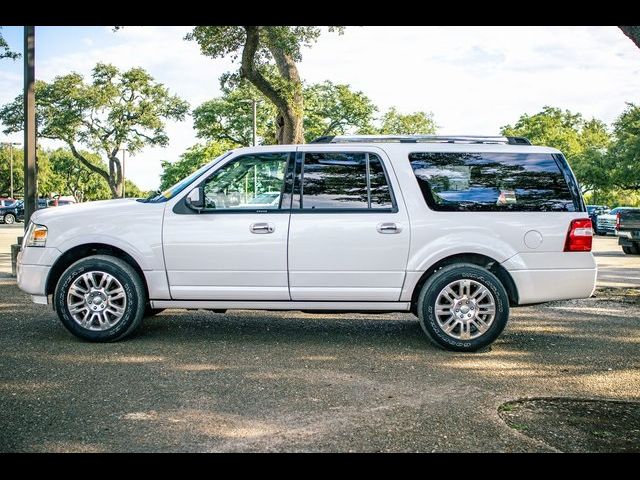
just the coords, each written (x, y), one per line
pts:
(421, 138)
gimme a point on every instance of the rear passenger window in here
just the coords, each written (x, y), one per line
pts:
(380, 190)
(343, 181)
(492, 182)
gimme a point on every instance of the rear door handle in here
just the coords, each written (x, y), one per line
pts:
(389, 228)
(262, 228)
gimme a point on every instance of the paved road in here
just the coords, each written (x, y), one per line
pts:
(8, 235)
(615, 269)
(289, 381)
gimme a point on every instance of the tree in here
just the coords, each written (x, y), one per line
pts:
(633, 32)
(334, 109)
(229, 117)
(5, 51)
(74, 179)
(195, 157)
(257, 47)
(624, 155)
(116, 110)
(584, 143)
(395, 123)
(5, 170)
(330, 109)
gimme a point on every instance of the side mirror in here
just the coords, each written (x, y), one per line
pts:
(195, 199)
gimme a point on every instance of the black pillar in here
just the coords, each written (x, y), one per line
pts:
(30, 177)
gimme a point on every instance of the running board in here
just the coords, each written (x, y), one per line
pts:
(286, 305)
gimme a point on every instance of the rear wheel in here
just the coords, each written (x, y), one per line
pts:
(631, 250)
(463, 307)
(9, 219)
(100, 298)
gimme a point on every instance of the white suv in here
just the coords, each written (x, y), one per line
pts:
(453, 229)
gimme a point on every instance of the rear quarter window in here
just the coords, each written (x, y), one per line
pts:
(522, 182)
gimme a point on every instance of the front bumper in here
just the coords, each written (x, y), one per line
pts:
(33, 267)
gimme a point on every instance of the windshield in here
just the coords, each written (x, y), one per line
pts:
(171, 192)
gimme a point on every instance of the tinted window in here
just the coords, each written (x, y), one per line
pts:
(491, 182)
(252, 182)
(340, 181)
(380, 190)
(334, 180)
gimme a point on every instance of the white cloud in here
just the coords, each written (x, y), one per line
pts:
(474, 79)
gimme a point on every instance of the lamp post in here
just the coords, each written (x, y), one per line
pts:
(254, 103)
(124, 182)
(11, 144)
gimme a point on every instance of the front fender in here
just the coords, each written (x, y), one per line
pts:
(148, 256)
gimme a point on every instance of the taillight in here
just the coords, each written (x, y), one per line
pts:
(618, 221)
(579, 236)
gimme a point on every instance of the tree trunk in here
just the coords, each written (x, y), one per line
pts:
(633, 32)
(115, 176)
(289, 127)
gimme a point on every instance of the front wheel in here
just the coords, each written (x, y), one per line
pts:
(100, 298)
(9, 219)
(632, 250)
(463, 307)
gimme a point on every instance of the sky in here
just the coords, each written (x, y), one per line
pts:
(473, 79)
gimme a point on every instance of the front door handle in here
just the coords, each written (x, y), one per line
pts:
(262, 228)
(389, 228)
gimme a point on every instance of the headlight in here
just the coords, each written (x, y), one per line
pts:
(36, 235)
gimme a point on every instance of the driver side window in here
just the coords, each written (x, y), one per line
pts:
(251, 182)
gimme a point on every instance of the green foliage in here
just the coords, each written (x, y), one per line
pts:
(330, 109)
(221, 41)
(335, 109)
(5, 169)
(614, 198)
(190, 161)
(116, 110)
(229, 118)
(395, 123)
(624, 155)
(268, 61)
(583, 142)
(69, 177)
(60, 173)
(133, 191)
(5, 51)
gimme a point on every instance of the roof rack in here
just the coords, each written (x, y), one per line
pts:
(421, 139)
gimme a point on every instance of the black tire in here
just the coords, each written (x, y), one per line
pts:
(133, 288)
(631, 250)
(9, 218)
(431, 290)
(151, 312)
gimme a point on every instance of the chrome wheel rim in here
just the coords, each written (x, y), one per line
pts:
(96, 300)
(465, 309)
(9, 219)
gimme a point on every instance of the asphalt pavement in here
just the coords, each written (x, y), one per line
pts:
(289, 381)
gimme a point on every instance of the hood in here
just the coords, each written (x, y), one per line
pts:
(87, 208)
(114, 222)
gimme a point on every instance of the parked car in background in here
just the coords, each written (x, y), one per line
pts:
(15, 212)
(453, 229)
(606, 222)
(594, 211)
(628, 230)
